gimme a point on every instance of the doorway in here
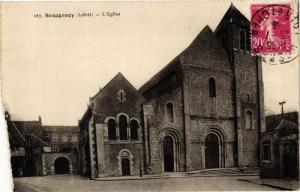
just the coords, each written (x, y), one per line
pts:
(168, 150)
(62, 166)
(211, 151)
(125, 166)
(289, 160)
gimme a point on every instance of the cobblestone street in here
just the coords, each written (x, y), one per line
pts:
(76, 183)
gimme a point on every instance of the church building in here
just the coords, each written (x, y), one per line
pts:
(203, 110)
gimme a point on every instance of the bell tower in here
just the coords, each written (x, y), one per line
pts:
(247, 86)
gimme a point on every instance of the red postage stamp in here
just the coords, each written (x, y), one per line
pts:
(270, 28)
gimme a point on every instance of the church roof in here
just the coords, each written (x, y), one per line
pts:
(205, 43)
(232, 16)
(118, 77)
(168, 69)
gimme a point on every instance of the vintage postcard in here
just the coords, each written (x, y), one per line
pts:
(150, 96)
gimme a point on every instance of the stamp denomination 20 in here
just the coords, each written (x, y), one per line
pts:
(270, 28)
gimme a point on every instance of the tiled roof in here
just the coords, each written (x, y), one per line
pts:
(61, 129)
(168, 69)
(286, 125)
(117, 77)
(20, 130)
(273, 121)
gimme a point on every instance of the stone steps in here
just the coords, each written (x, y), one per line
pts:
(225, 171)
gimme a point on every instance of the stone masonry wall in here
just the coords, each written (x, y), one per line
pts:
(49, 159)
(158, 126)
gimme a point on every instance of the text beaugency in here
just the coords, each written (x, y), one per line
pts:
(72, 15)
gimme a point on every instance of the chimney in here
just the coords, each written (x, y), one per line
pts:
(40, 119)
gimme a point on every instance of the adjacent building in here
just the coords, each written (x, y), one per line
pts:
(26, 146)
(62, 155)
(280, 147)
(38, 150)
(204, 109)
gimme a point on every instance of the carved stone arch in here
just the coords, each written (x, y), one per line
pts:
(222, 140)
(168, 130)
(62, 156)
(176, 138)
(139, 129)
(65, 156)
(121, 113)
(106, 127)
(108, 118)
(123, 134)
(134, 118)
(215, 129)
(130, 157)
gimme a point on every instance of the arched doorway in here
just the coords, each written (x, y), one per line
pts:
(168, 150)
(212, 144)
(62, 165)
(125, 162)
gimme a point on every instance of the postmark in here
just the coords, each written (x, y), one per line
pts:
(273, 28)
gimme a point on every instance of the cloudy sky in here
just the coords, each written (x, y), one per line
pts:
(50, 67)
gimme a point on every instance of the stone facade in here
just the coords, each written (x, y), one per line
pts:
(49, 162)
(109, 151)
(26, 147)
(280, 151)
(61, 156)
(203, 110)
(38, 150)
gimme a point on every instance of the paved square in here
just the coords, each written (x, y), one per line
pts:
(76, 183)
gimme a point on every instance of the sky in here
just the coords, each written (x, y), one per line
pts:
(52, 66)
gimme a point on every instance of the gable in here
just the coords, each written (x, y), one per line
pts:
(206, 51)
(232, 16)
(108, 102)
(20, 130)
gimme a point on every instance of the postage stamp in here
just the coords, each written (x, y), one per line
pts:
(270, 28)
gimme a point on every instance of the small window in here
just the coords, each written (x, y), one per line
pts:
(112, 130)
(248, 120)
(54, 148)
(134, 130)
(266, 156)
(153, 94)
(121, 95)
(64, 138)
(123, 127)
(242, 40)
(170, 112)
(54, 138)
(74, 138)
(212, 87)
(75, 147)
